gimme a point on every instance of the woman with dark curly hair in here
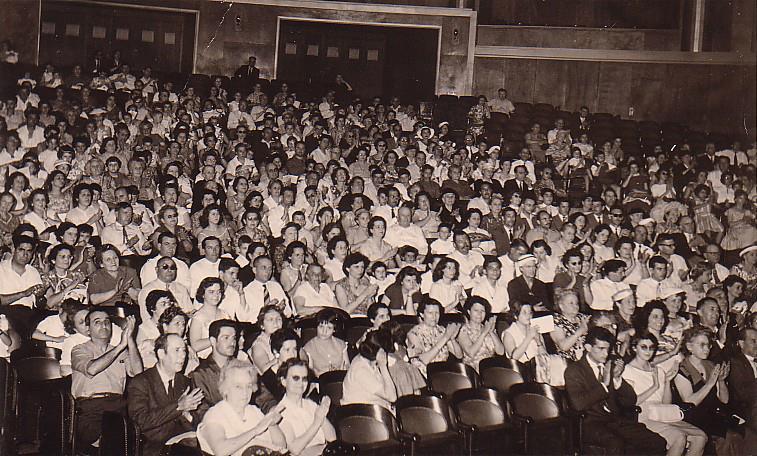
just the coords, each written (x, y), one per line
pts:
(654, 318)
(210, 295)
(355, 292)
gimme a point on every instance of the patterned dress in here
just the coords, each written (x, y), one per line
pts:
(741, 232)
(486, 350)
(576, 351)
(362, 309)
(704, 218)
(423, 339)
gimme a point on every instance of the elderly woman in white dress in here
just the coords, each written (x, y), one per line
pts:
(233, 427)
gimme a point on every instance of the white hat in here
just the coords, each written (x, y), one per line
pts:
(622, 294)
(647, 221)
(97, 112)
(526, 258)
(751, 248)
(668, 292)
(420, 130)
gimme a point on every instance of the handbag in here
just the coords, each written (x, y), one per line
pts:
(663, 413)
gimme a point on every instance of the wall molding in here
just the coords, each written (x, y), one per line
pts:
(360, 7)
(617, 56)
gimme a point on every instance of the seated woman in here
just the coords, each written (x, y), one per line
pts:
(375, 247)
(293, 268)
(572, 279)
(233, 426)
(654, 396)
(478, 336)
(654, 318)
(112, 282)
(407, 378)
(312, 293)
(602, 251)
(368, 380)
(209, 294)
(285, 345)
(447, 288)
(61, 282)
(702, 383)
(355, 292)
(270, 319)
(325, 352)
(403, 295)
(428, 341)
(522, 339)
(570, 326)
(157, 302)
(303, 422)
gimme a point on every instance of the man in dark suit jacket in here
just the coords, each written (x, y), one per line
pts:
(742, 380)
(518, 184)
(160, 399)
(595, 386)
(526, 288)
(248, 72)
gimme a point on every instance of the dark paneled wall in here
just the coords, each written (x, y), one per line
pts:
(580, 38)
(641, 14)
(709, 97)
(19, 23)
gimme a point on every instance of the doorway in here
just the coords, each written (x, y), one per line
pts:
(375, 60)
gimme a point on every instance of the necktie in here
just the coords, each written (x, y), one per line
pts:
(601, 373)
(126, 237)
(394, 213)
(266, 294)
(509, 234)
(170, 388)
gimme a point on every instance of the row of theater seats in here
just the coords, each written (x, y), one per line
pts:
(499, 411)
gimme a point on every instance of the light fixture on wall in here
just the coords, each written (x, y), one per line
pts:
(456, 36)
(238, 23)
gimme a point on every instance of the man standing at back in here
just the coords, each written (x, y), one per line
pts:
(161, 398)
(595, 386)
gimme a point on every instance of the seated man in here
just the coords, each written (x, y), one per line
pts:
(161, 397)
(223, 342)
(595, 386)
(99, 373)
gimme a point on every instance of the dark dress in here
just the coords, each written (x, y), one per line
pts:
(704, 415)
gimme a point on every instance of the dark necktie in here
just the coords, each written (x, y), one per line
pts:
(601, 373)
(170, 388)
(266, 295)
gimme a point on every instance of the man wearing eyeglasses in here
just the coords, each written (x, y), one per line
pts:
(167, 245)
(165, 270)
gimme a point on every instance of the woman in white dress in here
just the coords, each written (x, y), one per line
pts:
(233, 427)
(653, 394)
(447, 287)
(303, 422)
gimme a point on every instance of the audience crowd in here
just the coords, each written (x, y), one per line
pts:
(170, 241)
